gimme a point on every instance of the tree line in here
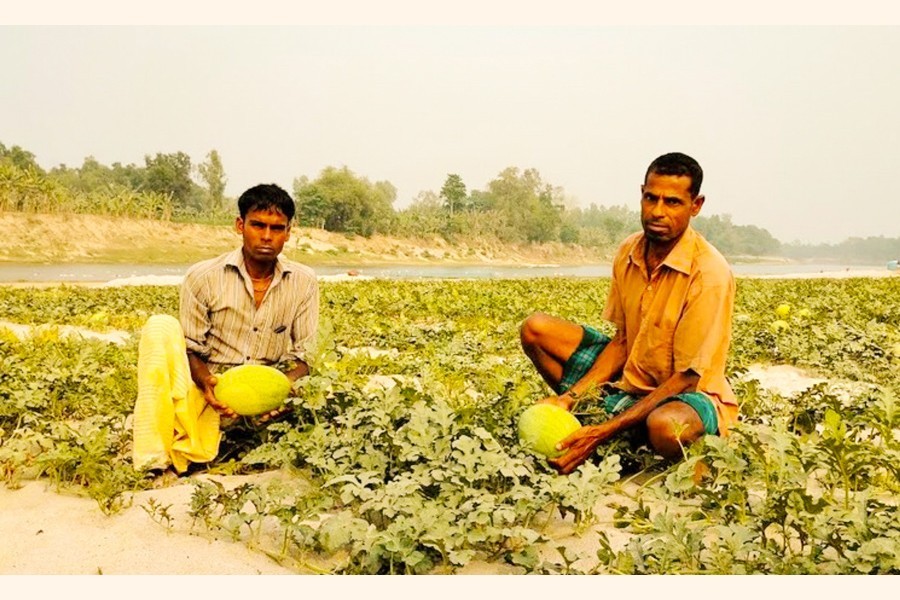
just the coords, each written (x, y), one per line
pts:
(516, 207)
(869, 250)
(164, 187)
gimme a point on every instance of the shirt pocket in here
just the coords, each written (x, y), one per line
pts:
(278, 333)
(660, 338)
(660, 335)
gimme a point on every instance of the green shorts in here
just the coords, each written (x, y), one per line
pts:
(592, 344)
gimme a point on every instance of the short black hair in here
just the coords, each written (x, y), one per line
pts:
(266, 196)
(678, 164)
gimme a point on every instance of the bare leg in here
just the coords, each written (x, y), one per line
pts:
(549, 342)
(673, 425)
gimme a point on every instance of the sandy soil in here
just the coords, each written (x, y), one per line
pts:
(47, 533)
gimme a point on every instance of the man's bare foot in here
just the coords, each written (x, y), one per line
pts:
(162, 477)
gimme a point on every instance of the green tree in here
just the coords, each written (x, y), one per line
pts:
(339, 200)
(424, 216)
(480, 201)
(454, 193)
(130, 175)
(171, 174)
(736, 240)
(19, 157)
(527, 206)
(870, 250)
(312, 206)
(94, 177)
(213, 174)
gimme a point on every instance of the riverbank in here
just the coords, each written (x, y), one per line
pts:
(94, 239)
(95, 250)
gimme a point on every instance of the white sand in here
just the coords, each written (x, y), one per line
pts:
(46, 533)
(113, 336)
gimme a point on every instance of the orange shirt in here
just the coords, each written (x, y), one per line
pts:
(678, 318)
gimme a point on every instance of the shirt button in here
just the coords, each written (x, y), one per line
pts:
(248, 358)
(256, 329)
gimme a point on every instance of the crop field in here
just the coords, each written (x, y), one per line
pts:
(402, 454)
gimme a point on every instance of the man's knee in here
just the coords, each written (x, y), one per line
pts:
(673, 426)
(161, 328)
(533, 329)
(161, 321)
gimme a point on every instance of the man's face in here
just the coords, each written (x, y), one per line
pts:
(264, 233)
(667, 207)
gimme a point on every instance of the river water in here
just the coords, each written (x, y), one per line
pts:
(82, 273)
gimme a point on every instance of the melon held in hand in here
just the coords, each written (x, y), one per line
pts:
(251, 390)
(542, 426)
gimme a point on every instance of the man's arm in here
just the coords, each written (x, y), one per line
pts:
(303, 331)
(610, 362)
(206, 381)
(581, 444)
(301, 370)
(613, 358)
(194, 318)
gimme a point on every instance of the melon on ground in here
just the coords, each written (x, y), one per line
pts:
(542, 426)
(251, 390)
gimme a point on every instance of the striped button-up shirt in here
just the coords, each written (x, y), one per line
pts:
(223, 325)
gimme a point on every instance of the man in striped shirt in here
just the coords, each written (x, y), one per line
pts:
(248, 306)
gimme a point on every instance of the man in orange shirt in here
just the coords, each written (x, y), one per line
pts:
(671, 300)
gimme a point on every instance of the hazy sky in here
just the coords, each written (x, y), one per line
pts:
(796, 127)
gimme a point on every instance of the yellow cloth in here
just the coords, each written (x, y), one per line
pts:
(173, 424)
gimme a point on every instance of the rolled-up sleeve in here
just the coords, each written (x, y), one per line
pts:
(614, 312)
(703, 333)
(194, 315)
(304, 324)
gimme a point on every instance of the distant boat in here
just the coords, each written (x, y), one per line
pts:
(892, 265)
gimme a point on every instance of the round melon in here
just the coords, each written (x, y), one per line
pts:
(251, 390)
(543, 426)
(779, 326)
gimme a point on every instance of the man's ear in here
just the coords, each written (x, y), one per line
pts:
(697, 204)
(239, 225)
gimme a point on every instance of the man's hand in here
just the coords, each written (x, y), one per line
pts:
(300, 370)
(563, 401)
(271, 415)
(579, 446)
(209, 394)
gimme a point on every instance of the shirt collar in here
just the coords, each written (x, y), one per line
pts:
(679, 258)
